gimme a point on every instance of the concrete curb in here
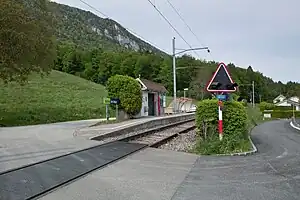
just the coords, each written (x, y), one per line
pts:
(254, 150)
(247, 153)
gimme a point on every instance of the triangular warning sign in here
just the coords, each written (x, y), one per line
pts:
(221, 81)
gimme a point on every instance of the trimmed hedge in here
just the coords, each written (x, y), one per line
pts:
(282, 114)
(234, 116)
(245, 103)
(235, 127)
(283, 108)
(128, 90)
(266, 106)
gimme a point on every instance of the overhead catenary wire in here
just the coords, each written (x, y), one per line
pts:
(183, 20)
(102, 13)
(168, 21)
(186, 24)
(127, 29)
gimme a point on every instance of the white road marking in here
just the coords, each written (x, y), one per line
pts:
(285, 153)
(295, 127)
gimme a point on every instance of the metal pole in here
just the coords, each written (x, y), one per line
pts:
(107, 112)
(174, 75)
(184, 101)
(220, 121)
(293, 111)
(253, 103)
(117, 113)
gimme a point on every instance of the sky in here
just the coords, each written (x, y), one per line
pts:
(264, 34)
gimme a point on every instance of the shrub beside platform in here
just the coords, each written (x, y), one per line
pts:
(235, 128)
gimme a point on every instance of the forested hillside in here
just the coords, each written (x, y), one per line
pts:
(88, 30)
(98, 65)
(37, 36)
(84, 48)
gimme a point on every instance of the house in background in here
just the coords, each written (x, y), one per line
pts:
(283, 101)
(154, 98)
(279, 99)
(295, 99)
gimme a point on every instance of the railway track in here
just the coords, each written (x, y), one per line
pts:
(38, 179)
(160, 136)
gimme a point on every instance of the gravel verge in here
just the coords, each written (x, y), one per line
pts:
(184, 142)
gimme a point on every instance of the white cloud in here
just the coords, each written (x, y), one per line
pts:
(264, 34)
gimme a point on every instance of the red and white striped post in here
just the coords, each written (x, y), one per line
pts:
(220, 121)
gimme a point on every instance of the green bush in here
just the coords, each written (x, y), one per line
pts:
(235, 128)
(128, 90)
(255, 116)
(234, 116)
(266, 106)
(229, 144)
(235, 96)
(282, 114)
(283, 108)
(244, 102)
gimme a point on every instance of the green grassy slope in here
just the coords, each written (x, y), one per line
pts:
(53, 98)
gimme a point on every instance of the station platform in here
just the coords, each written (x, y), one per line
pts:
(30, 144)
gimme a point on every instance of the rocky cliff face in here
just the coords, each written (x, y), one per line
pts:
(88, 30)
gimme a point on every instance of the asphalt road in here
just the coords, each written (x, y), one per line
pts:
(273, 173)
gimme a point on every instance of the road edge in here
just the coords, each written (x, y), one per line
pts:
(295, 126)
(254, 148)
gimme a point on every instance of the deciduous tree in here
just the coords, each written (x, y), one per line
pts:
(26, 39)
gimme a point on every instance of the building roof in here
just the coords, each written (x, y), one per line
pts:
(289, 102)
(279, 97)
(293, 97)
(293, 102)
(152, 86)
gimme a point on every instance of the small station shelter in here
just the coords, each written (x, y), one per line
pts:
(154, 98)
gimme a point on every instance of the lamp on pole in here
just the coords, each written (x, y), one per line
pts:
(174, 67)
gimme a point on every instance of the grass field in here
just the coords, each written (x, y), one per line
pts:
(53, 98)
(57, 97)
(254, 116)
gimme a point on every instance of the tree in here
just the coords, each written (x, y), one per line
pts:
(74, 64)
(106, 64)
(128, 65)
(26, 39)
(128, 90)
(99, 64)
(165, 75)
(143, 67)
